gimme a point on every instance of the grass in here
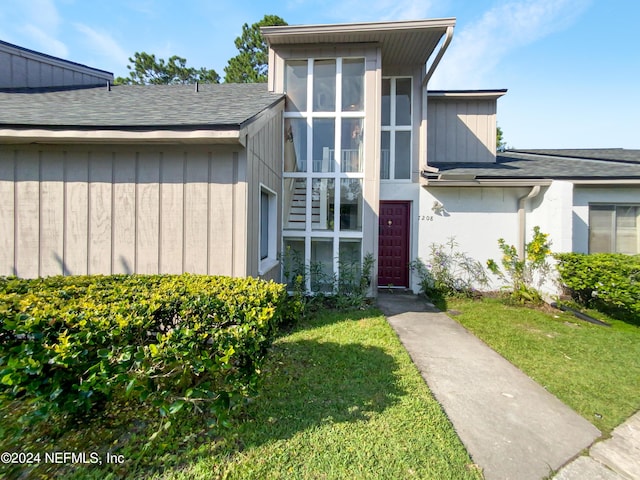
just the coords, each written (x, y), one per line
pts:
(340, 399)
(593, 369)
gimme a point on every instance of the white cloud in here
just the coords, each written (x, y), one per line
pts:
(48, 43)
(104, 44)
(478, 48)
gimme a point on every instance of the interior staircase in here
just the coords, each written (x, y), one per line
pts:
(297, 206)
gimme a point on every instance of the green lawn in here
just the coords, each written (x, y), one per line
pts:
(593, 369)
(340, 399)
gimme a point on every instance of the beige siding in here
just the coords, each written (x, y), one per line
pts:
(264, 167)
(461, 130)
(88, 210)
(23, 68)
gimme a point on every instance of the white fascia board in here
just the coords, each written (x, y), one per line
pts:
(358, 27)
(36, 135)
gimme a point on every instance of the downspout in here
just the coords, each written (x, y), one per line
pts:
(535, 190)
(425, 80)
(436, 61)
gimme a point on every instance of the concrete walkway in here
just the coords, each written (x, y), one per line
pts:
(617, 458)
(511, 426)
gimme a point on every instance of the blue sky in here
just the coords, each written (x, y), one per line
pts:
(572, 67)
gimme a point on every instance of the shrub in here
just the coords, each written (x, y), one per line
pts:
(349, 289)
(448, 271)
(606, 281)
(69, 344)
(524, 275)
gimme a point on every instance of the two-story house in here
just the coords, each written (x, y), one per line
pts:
(344, 154)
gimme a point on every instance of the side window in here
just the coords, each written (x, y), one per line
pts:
(267, 235)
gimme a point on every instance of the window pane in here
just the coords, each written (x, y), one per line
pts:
(322, 203)
(295, 145)
(324, 86)
(264, 225)
(321, 265)
(324, 135)
(296, 86)
(385, 155)
(601, 224)
(403, 101)
(295, 200)
(403, 155)
(352, 145)
(386, 101)
(293, 264)
(349, 264)
(353, 85)
(351, 204)
(626, 230)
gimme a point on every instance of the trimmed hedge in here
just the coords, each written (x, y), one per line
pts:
(69, 344)
(609, 282)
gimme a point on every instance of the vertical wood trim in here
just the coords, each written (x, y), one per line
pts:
(136, 197)
(7, 211)
(113, 212)
(65, 193)
(184, 210)
(160, 209)
(39, 257)
(209, 210)
(234, 192)
(51, 213)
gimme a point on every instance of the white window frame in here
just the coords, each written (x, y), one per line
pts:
(336, 173)
(271, 260)
(392, 128)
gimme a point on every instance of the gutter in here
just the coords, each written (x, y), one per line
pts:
(535, 190)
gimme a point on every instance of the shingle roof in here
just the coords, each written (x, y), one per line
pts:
(542, 164)
(136, 106)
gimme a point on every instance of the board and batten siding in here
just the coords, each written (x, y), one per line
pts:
(264, 167)
(22, 68)
(77, 210)
(461, 130)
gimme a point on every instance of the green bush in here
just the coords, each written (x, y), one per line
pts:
(449, 272)
(69, 344)
(609, 282)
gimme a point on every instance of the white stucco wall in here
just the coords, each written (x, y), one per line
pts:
(476, 217)
(551, 210)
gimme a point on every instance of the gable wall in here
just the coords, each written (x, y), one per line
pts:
(264, 167)
(20, 68)
(461, 130)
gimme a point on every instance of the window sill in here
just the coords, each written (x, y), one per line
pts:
(267, 265)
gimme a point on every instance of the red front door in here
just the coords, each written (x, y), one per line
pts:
(393, 244)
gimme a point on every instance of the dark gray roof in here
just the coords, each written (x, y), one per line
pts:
(136, 106)
(613, 154)
(594, 164)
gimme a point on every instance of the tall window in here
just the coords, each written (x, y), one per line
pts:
(267, 230)
(323, 166)
(395, 161)
(614, 229)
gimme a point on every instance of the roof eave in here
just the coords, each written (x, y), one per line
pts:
(166, 136)
(272, 33)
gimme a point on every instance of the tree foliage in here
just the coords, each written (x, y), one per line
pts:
(145, 69)
(250, 65)
(501, 145)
